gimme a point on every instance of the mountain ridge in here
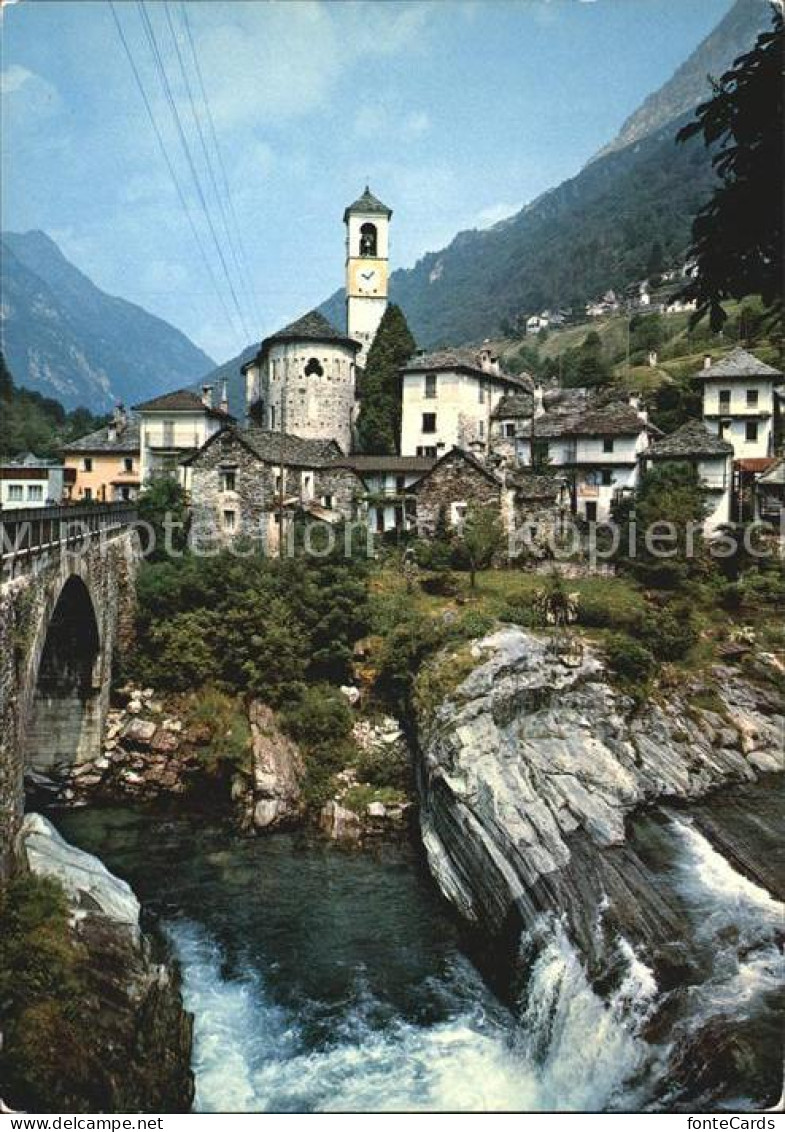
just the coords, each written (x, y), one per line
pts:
(64, 337)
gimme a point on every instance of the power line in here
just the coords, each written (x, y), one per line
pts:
(244, 288)
(164, 79)
(221, 164)
(170, 166)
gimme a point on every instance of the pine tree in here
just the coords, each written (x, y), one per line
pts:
(379, 422)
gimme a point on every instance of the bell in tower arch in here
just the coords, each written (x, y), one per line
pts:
(368, 240)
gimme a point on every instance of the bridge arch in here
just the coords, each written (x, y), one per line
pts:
(64, 715)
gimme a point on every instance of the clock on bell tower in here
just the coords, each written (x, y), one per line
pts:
(367, 266)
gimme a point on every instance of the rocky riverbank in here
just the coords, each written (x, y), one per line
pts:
(124, 1043)
(533, 767)
(153, 751)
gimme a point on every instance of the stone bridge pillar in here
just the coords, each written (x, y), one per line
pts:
(60, 628)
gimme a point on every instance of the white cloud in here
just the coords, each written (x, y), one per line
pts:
(32, 94)
(13, 78)
(493, 213)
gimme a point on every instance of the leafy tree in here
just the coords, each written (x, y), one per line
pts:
(379, 422)
(481, 539)
(30, 422)
(163, 505)
(660, 540)
(737, 234)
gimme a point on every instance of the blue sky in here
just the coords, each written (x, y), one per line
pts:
(456, 112)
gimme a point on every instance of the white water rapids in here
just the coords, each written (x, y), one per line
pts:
(567, 1049)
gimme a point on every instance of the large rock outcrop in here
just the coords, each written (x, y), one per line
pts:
(531, 769)
(270, 796)
(132, 1037)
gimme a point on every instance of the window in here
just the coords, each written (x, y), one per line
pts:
(307, 485)
(15, 493)
(429, 422)
(87, 493)
(607, 477)
(481, 392)
(607, 444)
(230, 518)
(752, 397)
(35, 492)
(128, 464)
(725, 399)
(327, 501)
(430, 385)
(724, 426)
(229, 480)
(427, 450)
(87, 464)
(591, 512)
(272, 416)
(368, 239)
(314, 366)
(125, 494)
(751, 431)
(481, 429)
(400, 484)
(168, 429)
(508, 429)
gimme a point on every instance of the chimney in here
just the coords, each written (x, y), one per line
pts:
(207, 396)
(539, 404)
(707, 361)
(652, 358)
(224, 406)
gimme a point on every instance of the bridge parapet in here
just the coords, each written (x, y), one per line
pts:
(29, 533)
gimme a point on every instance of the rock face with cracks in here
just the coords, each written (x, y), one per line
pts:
(530, 769)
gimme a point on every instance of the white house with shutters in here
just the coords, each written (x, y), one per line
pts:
(173, 427)
(740, 402)
(449, 397)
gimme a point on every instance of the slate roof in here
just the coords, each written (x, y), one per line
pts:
(126, 440)
(739, 363)
(367, 203)
(385, 463)
(465, 360)
(180, 401)
(514, 406)
(692, 439)
(312, 327)
(610, 420)
(775, 475)
(270, 447)
(527, 485)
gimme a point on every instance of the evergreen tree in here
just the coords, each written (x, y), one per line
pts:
(379, 422)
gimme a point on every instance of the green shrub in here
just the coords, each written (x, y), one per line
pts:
(629, 660)
(668, 634)
(442, 584)
(228, 733)
(386, 766)
(320, 721)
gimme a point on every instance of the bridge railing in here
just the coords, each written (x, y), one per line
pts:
(31, 531)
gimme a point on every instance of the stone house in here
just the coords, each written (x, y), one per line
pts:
(388, 483)
(243, 481)
(455, 482)
(105, 464)
(710, 456)
(449, 397)
(536, 509)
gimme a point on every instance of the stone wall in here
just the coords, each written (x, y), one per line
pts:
(343, 485)
(107, 571)
(250, 500)
(453, 480)
(316, 383)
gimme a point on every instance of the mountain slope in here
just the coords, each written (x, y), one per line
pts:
(65, 338)
(691, 82)
(594, 231)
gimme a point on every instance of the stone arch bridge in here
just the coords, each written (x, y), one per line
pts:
(66, 609)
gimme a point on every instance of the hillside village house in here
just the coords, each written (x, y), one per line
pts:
(243, 480)
(32, 481)
(105, 464)
(596, 445)
(174, 426)
(388, 487)
(448, 400)
(740, 402)
(710, 456)
(770, 495)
